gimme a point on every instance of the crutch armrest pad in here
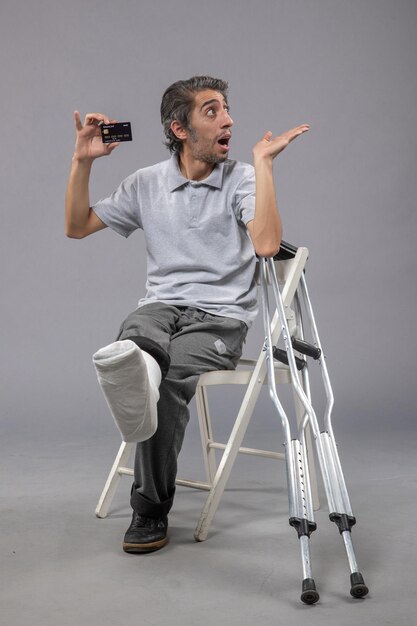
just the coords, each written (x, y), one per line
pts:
(286, 251)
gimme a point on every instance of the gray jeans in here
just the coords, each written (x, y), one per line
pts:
(195, 342)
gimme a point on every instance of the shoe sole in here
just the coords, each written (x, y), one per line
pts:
(143, 548)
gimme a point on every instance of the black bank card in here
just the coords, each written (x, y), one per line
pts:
(120, 131)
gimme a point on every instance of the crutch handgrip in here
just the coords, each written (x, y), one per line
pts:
(306, 348)
(281, 356)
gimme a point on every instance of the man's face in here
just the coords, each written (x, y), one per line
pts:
(209, 134)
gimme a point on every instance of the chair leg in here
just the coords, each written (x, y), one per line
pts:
(230, 453)
(113, 478)
(206, 433)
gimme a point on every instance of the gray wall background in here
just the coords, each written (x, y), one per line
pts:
(347, 189)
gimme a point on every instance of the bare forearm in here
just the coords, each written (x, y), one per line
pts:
(80, 220)
(77, 202)
(267, 226)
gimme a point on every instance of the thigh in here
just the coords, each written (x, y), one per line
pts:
(206, 344)
(156, 321)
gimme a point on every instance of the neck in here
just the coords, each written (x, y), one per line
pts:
(192, 168)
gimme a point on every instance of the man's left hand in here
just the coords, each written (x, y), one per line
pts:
(269, 148)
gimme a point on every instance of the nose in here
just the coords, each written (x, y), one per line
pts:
(227, 121)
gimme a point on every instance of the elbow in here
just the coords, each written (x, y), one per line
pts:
(73, 233)
(267, 242)
(267, 250)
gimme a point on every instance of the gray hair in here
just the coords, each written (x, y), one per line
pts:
(178, 101)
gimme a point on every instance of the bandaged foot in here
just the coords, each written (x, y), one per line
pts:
(129, 379)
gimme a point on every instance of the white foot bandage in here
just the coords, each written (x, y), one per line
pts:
(129, 379)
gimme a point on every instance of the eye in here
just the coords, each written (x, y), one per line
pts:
(210, 112)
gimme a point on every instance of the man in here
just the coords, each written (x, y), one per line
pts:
(203, 225)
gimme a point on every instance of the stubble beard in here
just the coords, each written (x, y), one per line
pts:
(202, 153)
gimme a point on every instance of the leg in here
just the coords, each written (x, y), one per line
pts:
(192, 342)
(151, 328)
(130, 376)
(129, 379)
(202, 343)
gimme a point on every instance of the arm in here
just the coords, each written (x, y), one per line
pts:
(80, 219)
(266, 227)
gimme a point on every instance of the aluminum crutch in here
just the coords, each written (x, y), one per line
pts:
(299, 492)
(340, 510)
(334, 483)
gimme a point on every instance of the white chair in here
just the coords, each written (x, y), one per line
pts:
(252, 374)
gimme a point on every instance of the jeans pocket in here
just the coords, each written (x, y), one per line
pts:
(232, 336)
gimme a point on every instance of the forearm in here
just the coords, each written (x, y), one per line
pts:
(266, 226)
(77, 202)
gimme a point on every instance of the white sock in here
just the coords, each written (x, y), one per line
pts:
(129, 379)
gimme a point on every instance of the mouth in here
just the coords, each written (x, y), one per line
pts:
(224, 141)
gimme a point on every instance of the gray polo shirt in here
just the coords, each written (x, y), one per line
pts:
(199, 252)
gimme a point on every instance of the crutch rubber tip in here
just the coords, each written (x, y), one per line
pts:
(358, 589)
(309, 595)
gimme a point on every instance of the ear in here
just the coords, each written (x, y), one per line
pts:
(178, 130)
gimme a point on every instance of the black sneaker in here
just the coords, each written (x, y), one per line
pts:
(145, 534)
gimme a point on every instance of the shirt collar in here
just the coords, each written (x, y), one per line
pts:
(176, 179)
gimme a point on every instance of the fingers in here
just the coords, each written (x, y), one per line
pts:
(296, 132)
(77, 120)
(95, 119)
(112, 146)
(270, 147)
(91, 119)
(302, 128)
(289, 135)
(299, 129)
(268, 135)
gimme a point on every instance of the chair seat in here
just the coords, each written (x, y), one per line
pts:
(241, 376)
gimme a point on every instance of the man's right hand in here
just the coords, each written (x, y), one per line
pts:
(88, 144)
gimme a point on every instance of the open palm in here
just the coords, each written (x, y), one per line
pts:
(269, 147)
